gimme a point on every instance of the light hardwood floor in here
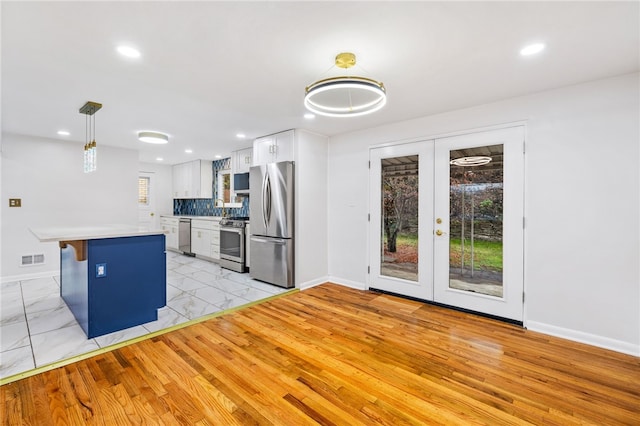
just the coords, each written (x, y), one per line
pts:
(333, 355)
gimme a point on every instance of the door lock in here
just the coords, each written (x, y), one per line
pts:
(438, 220)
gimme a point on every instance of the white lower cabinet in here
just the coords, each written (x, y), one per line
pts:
(201, 238)
(170, 225)
(215, 240)
(205, 236)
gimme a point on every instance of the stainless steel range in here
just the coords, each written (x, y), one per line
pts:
(232, 249)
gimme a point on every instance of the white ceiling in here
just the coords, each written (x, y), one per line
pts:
(209, 70)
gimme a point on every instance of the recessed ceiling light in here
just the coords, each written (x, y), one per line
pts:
(63, 133)
(188, 151)
(532, 49)
(218, 156)
(240, 135)
(309, 116)
(128, 51)
(159, 159)
(149, 136)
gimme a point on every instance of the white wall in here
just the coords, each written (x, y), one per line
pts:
(47, 175)
(582, 277)
(311, 251)
(163, 181)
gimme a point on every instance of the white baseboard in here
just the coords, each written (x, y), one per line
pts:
(313, 283)
(23, 277)
(582, 337)
(347, 283)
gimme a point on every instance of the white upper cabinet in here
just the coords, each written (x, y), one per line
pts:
(241, 160)
(274, 148)
(193, 179)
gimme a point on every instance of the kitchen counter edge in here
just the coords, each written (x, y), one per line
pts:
(60, 233)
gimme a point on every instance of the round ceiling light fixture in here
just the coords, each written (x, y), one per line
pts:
(153, 137)
(470, 161)
(345, 96)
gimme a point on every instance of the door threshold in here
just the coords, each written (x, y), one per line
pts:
(455, 308)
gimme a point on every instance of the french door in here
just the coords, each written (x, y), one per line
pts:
(446, 221)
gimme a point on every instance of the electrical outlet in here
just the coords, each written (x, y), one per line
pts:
(15, 202)
(101, 270)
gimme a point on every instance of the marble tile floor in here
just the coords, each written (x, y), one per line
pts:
(37, 328)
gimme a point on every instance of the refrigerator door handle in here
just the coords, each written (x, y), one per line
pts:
(264, 200)
(268, 203)
(270, 240)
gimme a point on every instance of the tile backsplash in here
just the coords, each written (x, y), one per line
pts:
(206, 207)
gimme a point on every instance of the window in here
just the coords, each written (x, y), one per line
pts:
(143, 190)
(224, 185)
(224, 182)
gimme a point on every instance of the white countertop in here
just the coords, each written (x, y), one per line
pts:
(72, 233)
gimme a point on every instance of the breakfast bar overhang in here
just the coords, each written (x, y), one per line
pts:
(111, 277)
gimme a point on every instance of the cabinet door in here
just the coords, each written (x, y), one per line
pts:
(171, 237)
(215, 241)
(245, 160)
(176, 172)
(201, 242)
(182, 186)
(191, 179)
(284, 146)
(264, 151)
(205, 179)
(206, 242)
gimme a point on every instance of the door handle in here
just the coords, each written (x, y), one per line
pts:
(439, 232)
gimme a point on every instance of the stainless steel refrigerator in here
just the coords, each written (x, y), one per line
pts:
(271, 206)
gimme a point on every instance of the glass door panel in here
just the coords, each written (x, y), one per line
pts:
(401, 197)
(475, 219)
(399, 224)
(478, 235)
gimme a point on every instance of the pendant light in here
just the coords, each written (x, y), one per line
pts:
(346, 96)
(90, 148)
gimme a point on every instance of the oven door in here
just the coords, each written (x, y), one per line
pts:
(232, 244)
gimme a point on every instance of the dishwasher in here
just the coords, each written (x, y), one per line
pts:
(184, 236)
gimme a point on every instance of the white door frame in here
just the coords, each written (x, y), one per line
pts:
(375, 214)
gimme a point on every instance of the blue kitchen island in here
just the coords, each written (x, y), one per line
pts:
(111, 277)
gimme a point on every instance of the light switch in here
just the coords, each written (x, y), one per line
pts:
(15, 202)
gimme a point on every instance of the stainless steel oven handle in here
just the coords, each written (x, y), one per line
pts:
(234, 230)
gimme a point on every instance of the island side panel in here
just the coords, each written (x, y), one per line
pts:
(134, 285)
(74, 284)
